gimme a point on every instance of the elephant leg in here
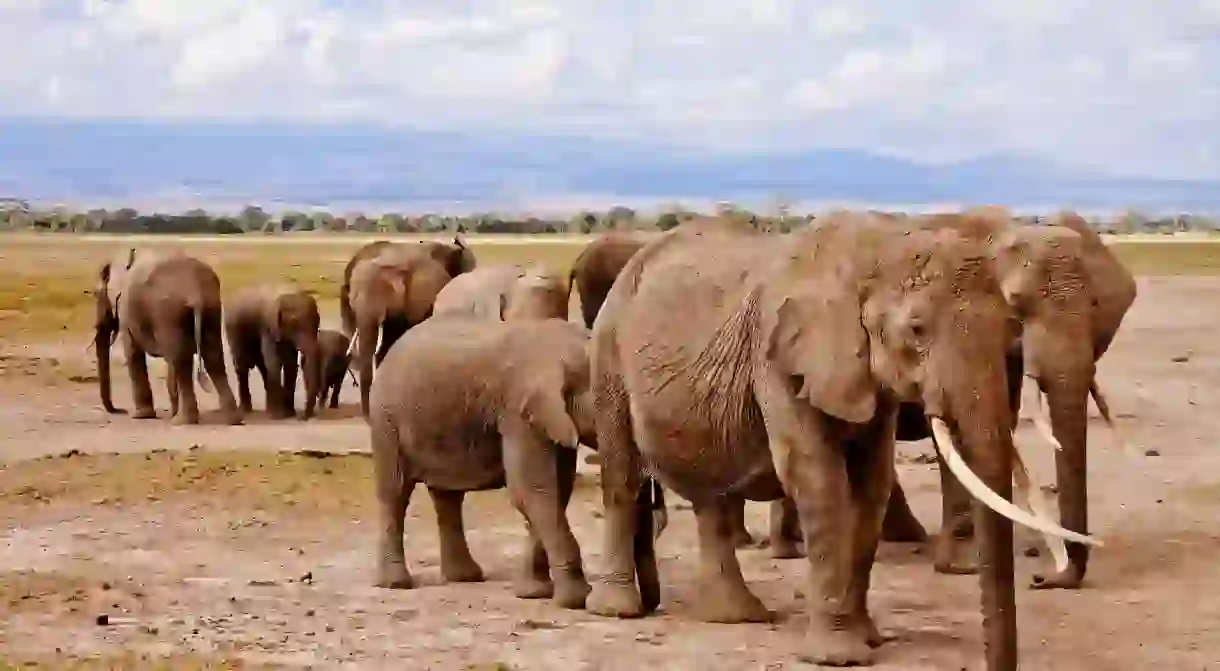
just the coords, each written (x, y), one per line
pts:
(1071, 468)
(625, 548)
(737, 524)
(457, 565)
(535, 581)
(871, 474)
(334, 394)
(212, 359)
(954, 551)
(171, 387)
(242, 371)
(291, 367)
(141, 388)
(188, 405)
(543, 500)
(811, 464)
(273, 378)
(723, 595)
(785, 531)
(901, 525)
(394, 489)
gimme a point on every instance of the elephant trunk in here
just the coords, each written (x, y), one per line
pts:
(1066, 386)
(102, 340)
(311, 367)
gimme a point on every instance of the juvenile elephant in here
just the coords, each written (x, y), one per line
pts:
(1071, 294)
(332, 351)
(594, 271)
(736, 365)
(165, 305)
(505, 292)
(468, 404)
(456, 257)
(270, 327)
(390, 293)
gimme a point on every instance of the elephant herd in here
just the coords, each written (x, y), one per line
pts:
(716, 361)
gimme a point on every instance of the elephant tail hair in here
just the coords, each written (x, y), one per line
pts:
(201, 375)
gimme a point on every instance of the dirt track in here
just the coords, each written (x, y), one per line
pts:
(234, 551)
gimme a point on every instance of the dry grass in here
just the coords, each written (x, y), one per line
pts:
(45, 280)
(308, 483)
(135, 662)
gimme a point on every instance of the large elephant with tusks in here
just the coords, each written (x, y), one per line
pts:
(730, 364)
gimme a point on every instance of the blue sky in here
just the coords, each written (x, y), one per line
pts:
(1129, 86)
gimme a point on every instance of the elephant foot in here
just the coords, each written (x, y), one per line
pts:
(234, 419)
(615, 599)
(395, 576)
(111, 410)
(836, 647)
(955, 556)
(144, 413)
(786, 548)
(743, 539)
(185, 419)
(1070, 578)
(278, 414)
(906, 532)
(571, 592)
(534, 587)
(462, 571)
(730, 605)
(873, 636)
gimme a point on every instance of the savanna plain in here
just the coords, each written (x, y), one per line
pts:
(130, 544)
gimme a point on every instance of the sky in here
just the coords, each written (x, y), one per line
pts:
(1129, 86)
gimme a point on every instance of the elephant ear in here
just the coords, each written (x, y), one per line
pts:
(818, 336)
(544, 409)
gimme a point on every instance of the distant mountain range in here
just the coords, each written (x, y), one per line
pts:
(171, 166)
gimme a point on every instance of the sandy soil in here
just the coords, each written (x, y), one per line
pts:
(216, 547)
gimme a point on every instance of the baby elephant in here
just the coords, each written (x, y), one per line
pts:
(466, 404)
(268, 326)
(336, 362)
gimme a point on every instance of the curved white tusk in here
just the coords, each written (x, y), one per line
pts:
(1103, 407)
(351, 344)
(979, 489)
(1035, 500)
(1042, 422)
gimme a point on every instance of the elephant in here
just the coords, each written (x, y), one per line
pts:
(599, 263)
(1071, 293)
(505, 292)
(270, 327)
(166, 305)
(390, 292)
(332, 351)
(731, 364)
(463, 403)
(457, 258)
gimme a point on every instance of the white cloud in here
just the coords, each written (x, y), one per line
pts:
(1127, 84)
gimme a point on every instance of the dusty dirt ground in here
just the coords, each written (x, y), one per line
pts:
(216, 547)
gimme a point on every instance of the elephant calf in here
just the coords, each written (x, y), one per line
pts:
(268, 326)
(466, 404)
(336, 362)
(505, 292)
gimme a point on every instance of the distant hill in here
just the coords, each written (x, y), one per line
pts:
(86, 162)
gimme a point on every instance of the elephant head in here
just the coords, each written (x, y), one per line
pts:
(864, 315)
(457, 257)
(537, 294)
(293, 316)
(108, 294)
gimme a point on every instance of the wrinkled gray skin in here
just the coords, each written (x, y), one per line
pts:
(332, 351)
(504, 292)
(165, 305)
(274, 328)
(465, 404)
(1071, 293)
(388, 294)
(737, 365)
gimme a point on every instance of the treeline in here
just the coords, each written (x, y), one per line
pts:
(16, 215)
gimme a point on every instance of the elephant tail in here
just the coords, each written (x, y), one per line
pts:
(201, 375)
